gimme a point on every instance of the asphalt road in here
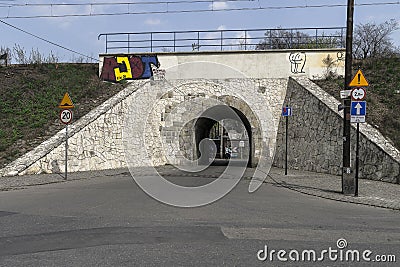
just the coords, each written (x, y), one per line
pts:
(109, 221)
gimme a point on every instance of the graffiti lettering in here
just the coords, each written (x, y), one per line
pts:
(158, 74)
(340, 56)
(123, 71)
(298, 61)
(132, 67)
(147, 62)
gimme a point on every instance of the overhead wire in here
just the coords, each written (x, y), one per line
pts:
(168, 11)
(47, 41)
(133, 3)
(171, 11)
(125, 3)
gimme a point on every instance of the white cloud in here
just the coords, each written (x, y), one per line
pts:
(213, 38)
(221, 28)
(152, 21)
(215, 35)
(218, 5)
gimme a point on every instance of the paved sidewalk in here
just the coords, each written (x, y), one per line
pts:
(371, 193)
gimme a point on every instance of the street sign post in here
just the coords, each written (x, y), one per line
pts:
(358, 111)
(286, 112)
(66, 116)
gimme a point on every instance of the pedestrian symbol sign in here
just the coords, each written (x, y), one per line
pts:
(66, 102)
(359, 80)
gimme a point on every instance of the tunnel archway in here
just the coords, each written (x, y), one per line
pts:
(215, 123)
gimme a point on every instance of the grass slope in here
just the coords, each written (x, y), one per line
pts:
(29, 98)
(383, 94)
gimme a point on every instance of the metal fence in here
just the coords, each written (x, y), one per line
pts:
(224, 40)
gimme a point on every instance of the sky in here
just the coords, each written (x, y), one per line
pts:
(53, 22)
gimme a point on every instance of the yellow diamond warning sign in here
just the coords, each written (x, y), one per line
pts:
(359, 80)
(66, 102)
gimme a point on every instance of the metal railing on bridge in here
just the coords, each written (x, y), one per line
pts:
(224, 40)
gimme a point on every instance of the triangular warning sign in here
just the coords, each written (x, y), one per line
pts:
(359, 80)
(66, 102)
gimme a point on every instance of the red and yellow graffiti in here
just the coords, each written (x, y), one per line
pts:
(131, 67)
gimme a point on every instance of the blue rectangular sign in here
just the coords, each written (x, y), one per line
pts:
(358, 108)
(286, 111)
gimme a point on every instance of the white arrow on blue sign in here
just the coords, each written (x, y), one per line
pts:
(358, 108)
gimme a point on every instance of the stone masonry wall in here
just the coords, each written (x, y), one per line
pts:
(315, 130)
(315, 137)
(96, 141)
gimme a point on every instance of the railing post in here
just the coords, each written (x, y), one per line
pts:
(174, 41)
(222, 40)
(106, 43)
(129, 44)
(151, 42)
(316, 38)
(198, 41)
(342, 39)
(245, 40)
(291, 39)
(270, 39)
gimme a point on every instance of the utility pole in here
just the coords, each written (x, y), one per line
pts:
(348, 181)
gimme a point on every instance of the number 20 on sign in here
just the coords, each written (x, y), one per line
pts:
(66, 116)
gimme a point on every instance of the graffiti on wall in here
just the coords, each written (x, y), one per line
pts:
(297, 62)
(158, 73)
(340, 56)
(131, 67)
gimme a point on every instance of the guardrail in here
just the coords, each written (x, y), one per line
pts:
(223, 40)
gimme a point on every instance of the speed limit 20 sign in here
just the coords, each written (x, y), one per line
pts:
(66, 116)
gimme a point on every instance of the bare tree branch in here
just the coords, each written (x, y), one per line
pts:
(373, 40)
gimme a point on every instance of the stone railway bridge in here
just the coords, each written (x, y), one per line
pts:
(175, 100)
